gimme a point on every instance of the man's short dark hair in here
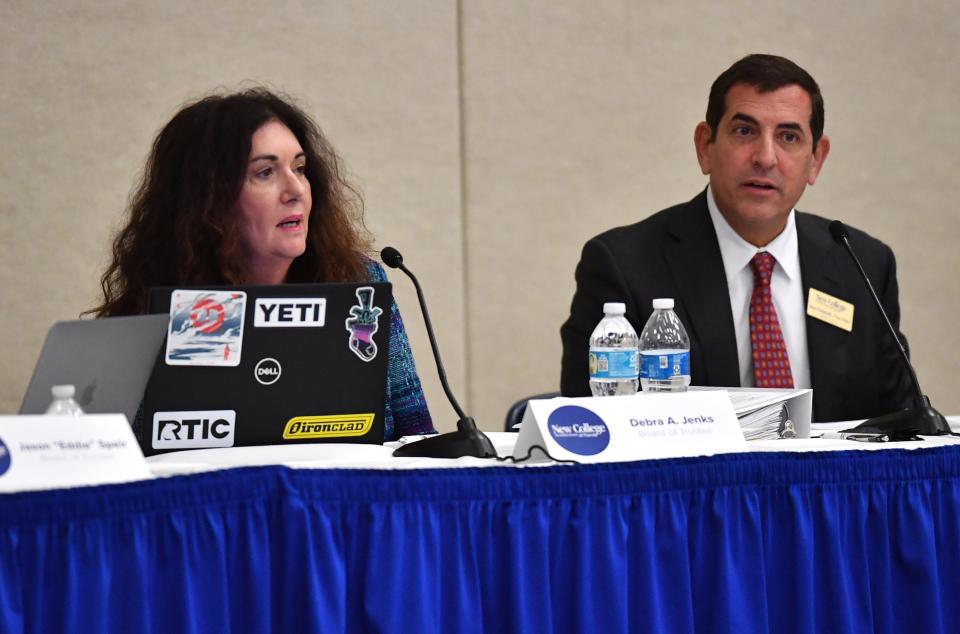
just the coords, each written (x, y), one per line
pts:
(765, 73)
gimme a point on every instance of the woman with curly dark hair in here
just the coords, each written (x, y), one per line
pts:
(244, 189)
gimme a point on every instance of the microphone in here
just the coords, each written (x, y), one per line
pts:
(922, 419)
(467, 440)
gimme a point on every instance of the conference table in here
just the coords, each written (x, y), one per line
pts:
(792, 536)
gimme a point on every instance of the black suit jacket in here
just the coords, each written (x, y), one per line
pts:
(675, 253)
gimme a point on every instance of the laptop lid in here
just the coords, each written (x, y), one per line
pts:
(108, 360)
(268, 365)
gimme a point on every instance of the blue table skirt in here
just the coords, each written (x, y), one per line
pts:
(826, 542)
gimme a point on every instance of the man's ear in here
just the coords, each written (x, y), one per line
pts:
(702, 138)
(819, 157)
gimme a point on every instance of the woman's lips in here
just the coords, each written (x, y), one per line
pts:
(292, 223)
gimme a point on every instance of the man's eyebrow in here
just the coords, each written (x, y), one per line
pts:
(788, 125)
(739, 116)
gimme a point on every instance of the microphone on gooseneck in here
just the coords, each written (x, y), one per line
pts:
(921, 419)
(467, 440)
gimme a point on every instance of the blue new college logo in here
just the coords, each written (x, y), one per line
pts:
(4, 458)
(578, 430)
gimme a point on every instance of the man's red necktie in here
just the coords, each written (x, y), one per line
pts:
(771, 366)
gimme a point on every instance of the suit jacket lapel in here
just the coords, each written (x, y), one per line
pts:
(693, 257)
(818, 267)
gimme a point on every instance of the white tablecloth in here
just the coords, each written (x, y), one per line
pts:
(356, 456)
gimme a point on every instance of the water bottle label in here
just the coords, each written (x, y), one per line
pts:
(614, 363)
(661, 367)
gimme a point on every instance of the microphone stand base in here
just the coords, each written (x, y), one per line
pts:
(919, 421)
(455, 444)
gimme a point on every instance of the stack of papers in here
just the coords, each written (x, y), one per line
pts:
(764, 414)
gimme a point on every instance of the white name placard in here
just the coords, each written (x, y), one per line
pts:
(51, 452)
(642, 426)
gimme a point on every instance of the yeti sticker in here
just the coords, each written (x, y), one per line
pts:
(362, 324)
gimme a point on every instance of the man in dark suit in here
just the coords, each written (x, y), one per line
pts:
(750, 275)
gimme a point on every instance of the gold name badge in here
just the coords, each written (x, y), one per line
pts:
(830, 309)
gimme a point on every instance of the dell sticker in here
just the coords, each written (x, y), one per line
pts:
(267, 371)
(363, 324)
(289, 312)
(193, 430)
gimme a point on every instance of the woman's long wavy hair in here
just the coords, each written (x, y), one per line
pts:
(182, 225)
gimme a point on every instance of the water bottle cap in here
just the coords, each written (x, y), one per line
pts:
(63, 391)
(614, 308)
(663, 303)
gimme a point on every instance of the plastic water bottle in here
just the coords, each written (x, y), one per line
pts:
(63, 403)
(664, 351)
(614, 355)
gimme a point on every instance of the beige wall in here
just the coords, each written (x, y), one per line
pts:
(491, 139)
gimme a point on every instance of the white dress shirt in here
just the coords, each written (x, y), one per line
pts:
(785, 285)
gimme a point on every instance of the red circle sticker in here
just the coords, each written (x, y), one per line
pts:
(206, 316)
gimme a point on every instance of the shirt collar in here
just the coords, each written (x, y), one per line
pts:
(737, 252)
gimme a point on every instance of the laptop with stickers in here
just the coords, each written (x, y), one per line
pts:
(107, 360)
(268, 365)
